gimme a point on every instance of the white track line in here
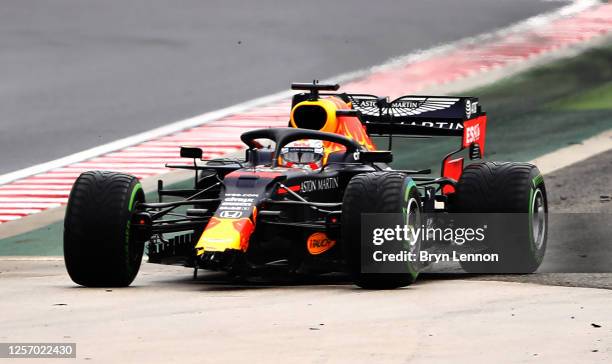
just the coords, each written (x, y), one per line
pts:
(39, 192)
(574, 153)
(16, 187)
(27, 205)
(19, 211)
(32, 200)
(30, 258)
(10, 217)
(44, 181)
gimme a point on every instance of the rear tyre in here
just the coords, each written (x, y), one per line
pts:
(99, 248)
(509, 188)
(378, 192)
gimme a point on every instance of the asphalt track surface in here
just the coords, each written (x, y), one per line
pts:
(80, 74)
(166, 317)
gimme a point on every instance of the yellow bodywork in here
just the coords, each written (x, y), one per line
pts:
(225, 234)
(330, 107)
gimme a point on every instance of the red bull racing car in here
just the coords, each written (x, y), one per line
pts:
(296, 200)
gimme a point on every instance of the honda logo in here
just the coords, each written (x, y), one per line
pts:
(231, 214)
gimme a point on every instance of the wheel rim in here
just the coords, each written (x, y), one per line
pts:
(538, 219)
(413, 220)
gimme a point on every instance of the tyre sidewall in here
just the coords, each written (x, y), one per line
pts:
(99, 246)
(376, 192)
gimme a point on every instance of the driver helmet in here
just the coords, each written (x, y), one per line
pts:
(305, 154)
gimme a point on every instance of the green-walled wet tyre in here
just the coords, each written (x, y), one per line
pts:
(385, 193)
(99, 248)
(516, 194)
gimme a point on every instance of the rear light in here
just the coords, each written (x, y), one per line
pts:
(142, 226)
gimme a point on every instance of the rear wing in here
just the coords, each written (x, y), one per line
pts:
(423, 116)
(427, 116)
(416, 115)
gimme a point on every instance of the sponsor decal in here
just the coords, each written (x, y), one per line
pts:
(472, 134)
(319, 243)
(231, 214)
(235, 208)
(470, 108)
(241, 195)
(237, 202)
(405, 106)
(308, 186)
(366, 103)
(437, 124)
(226, 203)
(319, 184)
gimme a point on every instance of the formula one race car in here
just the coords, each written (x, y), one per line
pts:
(296, 200)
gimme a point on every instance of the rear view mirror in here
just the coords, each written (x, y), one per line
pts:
(191, 152)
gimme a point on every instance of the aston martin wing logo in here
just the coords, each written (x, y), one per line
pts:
(405, 106)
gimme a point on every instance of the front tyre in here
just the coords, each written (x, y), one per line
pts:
(378, 192)
(99, 248)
